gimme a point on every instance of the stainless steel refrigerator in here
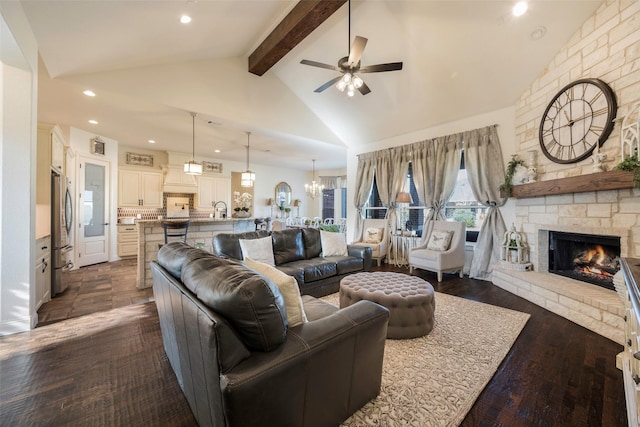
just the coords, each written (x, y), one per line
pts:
(61, 219)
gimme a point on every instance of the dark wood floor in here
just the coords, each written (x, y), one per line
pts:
(556, 374)
(95, 288)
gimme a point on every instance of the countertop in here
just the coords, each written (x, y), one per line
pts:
(193, 220)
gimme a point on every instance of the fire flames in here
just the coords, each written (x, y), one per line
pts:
(595, 262)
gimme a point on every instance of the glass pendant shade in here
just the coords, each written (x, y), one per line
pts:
(248, 177)
(192, 167)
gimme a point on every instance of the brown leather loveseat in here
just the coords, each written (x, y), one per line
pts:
(297, 253)
(225, 331)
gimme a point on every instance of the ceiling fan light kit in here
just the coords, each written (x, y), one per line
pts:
(350, 65)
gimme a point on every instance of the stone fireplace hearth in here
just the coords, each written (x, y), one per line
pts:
(612, 213)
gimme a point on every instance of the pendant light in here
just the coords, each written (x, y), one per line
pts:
(248, 178)
(192, 167)
(313, 190)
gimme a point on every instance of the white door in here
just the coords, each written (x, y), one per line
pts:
(93, 217)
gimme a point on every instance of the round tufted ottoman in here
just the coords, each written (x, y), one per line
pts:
(410, 300)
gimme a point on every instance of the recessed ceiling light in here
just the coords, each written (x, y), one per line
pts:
(185, 19)
(216, 151)
(538, 33)
(520, 8)
(152, 141)
(93, 122)
(89, 93)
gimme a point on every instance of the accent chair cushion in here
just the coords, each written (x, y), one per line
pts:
(373, 235)
(288, 287)
(439, 240)
(260, 250)
(333, 244)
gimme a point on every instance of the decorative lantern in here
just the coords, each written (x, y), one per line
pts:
(514, 251)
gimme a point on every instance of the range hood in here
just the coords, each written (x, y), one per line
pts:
(176, 181)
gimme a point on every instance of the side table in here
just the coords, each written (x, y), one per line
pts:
(400, 247)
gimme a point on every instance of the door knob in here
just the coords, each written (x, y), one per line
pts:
(106, 223)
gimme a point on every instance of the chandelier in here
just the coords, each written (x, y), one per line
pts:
(314, 190)
(248, 177)
(192, 167)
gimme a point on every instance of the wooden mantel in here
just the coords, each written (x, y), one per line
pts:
(611, 180)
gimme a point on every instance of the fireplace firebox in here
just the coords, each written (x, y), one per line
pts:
(588, 257)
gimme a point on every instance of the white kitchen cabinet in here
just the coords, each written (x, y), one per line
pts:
(49, 156)
(50, 148)
(127, 240)
(43, 271)
(212, 190)
(57, 150)
(136, 188)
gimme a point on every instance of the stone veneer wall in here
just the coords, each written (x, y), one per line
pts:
(607, 46)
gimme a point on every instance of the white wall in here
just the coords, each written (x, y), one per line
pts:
(504, 118)
(18, 90)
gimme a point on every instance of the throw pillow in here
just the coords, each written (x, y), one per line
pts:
(373, 235)
(288, 287)
(260, 250)
(333, 244)
(439, 240)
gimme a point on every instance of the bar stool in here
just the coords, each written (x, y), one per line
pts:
(175, 229)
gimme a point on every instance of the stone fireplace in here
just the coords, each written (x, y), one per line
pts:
(601, 214)
(587, 257)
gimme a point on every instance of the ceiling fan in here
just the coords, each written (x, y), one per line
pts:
(350, 65)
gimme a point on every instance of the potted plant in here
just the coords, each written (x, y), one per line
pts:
(631, 164)
(508, 175)
(243, 204)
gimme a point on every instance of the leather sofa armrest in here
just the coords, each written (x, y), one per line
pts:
(344, 321)
(339, 355)
(363, 252)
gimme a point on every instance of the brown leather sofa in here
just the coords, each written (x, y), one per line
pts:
(225, 332)
(297, 252)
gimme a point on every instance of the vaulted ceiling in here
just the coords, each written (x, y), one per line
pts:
(461, 58)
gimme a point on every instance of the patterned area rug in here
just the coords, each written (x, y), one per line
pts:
(434, 380)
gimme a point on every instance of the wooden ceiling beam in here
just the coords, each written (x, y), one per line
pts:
(305, 17)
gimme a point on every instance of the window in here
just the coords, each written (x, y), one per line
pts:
(334, 203)
(374, 208)
(462, 206)
(328, 203)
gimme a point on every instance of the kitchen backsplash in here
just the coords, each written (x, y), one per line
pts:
(154, 213)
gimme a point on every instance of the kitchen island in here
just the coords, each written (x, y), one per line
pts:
(201, 230)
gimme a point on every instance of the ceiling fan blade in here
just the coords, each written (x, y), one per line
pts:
(320, 65)
(328, 84)
(356, 51)
(392, 66)
(364, 89)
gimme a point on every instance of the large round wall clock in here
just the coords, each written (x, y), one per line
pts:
(577, 119)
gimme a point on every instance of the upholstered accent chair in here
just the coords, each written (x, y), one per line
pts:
(375, 234)
(442, 250)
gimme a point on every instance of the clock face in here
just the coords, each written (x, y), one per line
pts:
(577, 118)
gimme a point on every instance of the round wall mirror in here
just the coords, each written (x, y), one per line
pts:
(283, 194)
